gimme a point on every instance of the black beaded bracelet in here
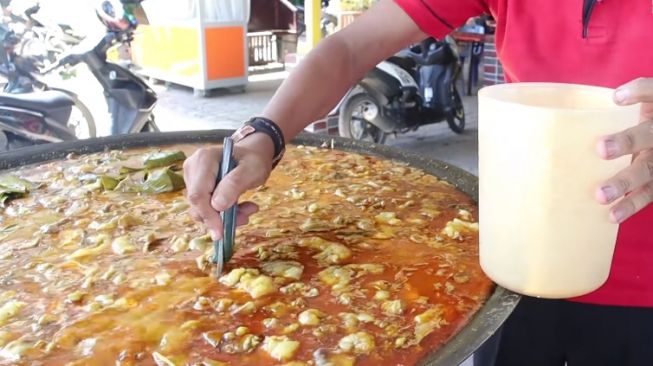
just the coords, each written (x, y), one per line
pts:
(268, 127)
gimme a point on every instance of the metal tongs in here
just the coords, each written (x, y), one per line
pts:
(224, 248)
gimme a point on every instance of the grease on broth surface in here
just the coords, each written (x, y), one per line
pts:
(352, 260)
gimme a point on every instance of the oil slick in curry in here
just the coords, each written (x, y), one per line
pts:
(352, 260)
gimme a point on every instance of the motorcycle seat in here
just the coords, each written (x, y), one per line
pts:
(39, 101)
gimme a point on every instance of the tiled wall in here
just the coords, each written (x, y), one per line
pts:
(492, 69)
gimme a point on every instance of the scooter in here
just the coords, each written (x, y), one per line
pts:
(30, 111)
(41, 114)
(413, 88)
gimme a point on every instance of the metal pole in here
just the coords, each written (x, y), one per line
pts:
(312, 16)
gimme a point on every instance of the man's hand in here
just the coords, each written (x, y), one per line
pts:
(254, 157)
(636, 181)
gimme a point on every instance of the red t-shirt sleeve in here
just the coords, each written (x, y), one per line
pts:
(439, 17)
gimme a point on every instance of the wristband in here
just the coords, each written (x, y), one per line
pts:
(266, 126)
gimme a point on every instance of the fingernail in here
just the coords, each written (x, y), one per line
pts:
(609, 192)
(611, 148)
(621, 95)
(618, 215)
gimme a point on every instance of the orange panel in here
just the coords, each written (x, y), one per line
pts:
(225, 53)
(169, 49)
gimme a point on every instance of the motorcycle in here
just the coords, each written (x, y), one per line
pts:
(413, 88)
(41, 114)
(30, 111)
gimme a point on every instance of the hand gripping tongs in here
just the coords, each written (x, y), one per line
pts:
(224, 248)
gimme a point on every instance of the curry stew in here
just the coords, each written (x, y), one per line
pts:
(351, 260)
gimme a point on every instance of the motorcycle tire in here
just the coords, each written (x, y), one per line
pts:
(456, 120)
(82, 122)
(359, 128)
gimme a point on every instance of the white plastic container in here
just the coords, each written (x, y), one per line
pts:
(542, 233)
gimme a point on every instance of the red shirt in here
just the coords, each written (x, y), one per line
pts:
(543, 40)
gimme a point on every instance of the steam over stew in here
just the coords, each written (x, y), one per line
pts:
(352, 260)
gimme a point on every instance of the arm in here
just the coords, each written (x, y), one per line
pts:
(342, 59)
(306, 95)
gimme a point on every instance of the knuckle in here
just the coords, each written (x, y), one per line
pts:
(647, 194)
(195, 198)
(628, 140)
(624, 185)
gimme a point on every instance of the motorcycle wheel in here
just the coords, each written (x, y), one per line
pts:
(81, 120)
(456, 120)
(352, 123)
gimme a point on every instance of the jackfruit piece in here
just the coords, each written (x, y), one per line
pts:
(122, 245)
(9, 310)
(286, 269)
(359, 342)
(456, 227)
(310, 317)
(280, 348)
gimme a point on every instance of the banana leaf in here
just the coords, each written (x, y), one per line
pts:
(11, 183)
(163, 180)
(132, 183)
(108, 183)
(13, 187)
(164, 158)
(128, 170)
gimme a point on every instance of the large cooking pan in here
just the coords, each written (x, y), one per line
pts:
(484, 323)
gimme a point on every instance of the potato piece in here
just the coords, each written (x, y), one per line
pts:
(336, 276)
(200, 244)
(127, 221)
(179, 244)
(330, 252)
(233, 277)
(280, 348)
(175, 340)
(14, 350)
(241, 331)
(315, 225)
(310, 317)
(202, 303)
(9, 310)
(88, 252)
(381, 295)
(122, 245)
(286, 269)
(76, 296)
(393, 307)
(350, 320)
(258, 286)
(162, 278)
(359, 343)
(428, 321)
(455, 228)
(389, 218)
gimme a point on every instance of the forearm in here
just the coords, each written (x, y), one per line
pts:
(314, 87)
(342, 59)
